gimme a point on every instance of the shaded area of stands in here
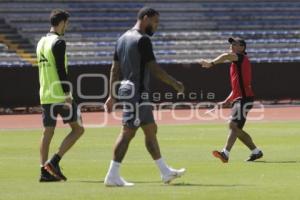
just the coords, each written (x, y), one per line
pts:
(15, 50)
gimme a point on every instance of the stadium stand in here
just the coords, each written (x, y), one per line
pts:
(188, 30)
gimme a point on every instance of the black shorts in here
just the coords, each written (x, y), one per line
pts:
(240, 109)
(137, 109)
(50, 112)
(139, 115)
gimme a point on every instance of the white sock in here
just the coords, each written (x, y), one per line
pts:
(114, 168)
(255, 151)
(226, 152)
(163, 167)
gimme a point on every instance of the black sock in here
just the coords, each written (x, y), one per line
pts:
(55, 159)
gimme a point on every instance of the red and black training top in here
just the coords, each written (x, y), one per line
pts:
(241, 78)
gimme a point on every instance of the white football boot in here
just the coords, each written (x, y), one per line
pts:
(172, 174)
(116, 181)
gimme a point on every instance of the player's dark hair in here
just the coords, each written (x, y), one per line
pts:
(58, 15)
(147, 11)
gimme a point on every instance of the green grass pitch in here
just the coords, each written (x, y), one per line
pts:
(276, 176)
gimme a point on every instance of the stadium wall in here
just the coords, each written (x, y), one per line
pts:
(271, 81)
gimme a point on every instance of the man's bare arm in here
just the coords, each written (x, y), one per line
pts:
(220, 59)
(114, 76)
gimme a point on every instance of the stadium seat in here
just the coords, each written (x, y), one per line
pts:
(188, 30)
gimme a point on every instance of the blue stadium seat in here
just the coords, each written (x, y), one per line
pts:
(187, 29)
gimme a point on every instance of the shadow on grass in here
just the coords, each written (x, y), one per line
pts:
(277, 162)
(101, 182)
(207, 185)
(147, 182)
(88, 181)
(170, 185)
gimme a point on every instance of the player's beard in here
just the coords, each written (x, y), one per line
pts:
(149, 30)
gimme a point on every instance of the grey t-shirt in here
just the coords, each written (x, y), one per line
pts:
(133, 51)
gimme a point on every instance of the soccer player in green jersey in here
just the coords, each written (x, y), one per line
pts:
(55, 95)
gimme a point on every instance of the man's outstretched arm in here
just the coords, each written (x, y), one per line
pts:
(220, 59)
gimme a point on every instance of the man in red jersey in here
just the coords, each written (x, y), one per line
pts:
(241, 98)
